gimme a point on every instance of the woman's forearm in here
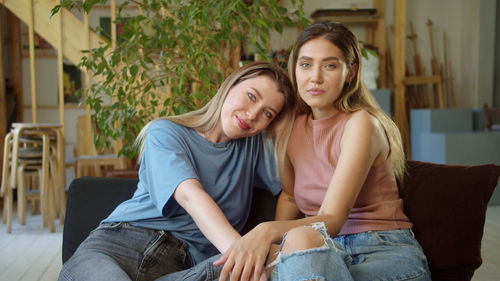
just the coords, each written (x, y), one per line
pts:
(281, 227)
(287, 217)
(206, 214)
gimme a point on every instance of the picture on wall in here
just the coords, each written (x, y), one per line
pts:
(105, 28)
(72, 82)
(42, 47)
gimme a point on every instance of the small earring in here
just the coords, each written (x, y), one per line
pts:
(347, 85)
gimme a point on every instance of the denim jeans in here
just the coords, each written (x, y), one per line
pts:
(119, 251)
(372, 255)
(204, 271)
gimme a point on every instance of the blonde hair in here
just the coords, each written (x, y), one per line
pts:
(206, 118)
(355, 95)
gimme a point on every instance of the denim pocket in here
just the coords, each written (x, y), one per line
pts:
(398, 257)
(400, 238)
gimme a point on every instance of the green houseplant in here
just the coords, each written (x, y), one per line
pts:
(171, 57)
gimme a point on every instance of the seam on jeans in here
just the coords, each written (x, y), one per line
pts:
(389, 243)
(311, 278)
(108, 226)
(416, 275)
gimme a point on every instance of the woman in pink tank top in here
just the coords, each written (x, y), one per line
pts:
(339, 216)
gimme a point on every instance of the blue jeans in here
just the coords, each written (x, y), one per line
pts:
(203, 271)
(119, 251)
(372, 255)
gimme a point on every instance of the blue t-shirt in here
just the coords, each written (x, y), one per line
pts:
(227, 171)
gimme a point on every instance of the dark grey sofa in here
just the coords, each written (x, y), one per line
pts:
(447, 205)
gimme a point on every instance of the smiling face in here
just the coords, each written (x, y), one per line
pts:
(321, 73)
(250, 106)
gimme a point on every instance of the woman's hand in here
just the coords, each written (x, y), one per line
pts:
(245, 258)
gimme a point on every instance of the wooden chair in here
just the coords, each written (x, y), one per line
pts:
(88, 160)
(492, 118)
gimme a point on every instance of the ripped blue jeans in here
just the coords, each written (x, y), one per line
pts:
(372, 255)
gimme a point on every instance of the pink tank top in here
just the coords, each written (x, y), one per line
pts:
(314, 150)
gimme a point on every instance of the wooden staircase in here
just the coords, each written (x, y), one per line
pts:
(73, 29)
(64, 31)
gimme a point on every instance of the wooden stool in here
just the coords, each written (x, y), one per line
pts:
(19, 159)
(57, 161)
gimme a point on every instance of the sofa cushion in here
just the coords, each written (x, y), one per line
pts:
(90, 200)
(447, 205)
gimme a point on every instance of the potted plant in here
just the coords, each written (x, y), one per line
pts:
(171, 57)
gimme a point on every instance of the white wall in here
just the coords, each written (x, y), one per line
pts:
(486, 65)
(460, 19)
(47, 95)
(45, 81)
(462, 40)
(467, 53)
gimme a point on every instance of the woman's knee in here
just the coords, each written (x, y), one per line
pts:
(302, 238)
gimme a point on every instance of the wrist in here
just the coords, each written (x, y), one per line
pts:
(270, 230)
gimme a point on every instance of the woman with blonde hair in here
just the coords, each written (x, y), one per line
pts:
(196, 177)
(339, 215)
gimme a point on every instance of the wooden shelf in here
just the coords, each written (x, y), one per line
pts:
(375, 29)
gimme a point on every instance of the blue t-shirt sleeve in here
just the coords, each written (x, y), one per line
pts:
(167, 164)
(267, 176)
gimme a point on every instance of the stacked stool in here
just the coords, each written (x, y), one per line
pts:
(34, 151)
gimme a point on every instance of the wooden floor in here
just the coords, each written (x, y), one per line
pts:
(31, 252)
(490, 247)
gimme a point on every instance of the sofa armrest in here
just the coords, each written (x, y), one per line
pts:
(90, 200)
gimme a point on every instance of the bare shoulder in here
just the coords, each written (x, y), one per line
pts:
(366, 128)
(361, 119)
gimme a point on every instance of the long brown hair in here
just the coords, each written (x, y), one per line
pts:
(206, 118)
(355, 95)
